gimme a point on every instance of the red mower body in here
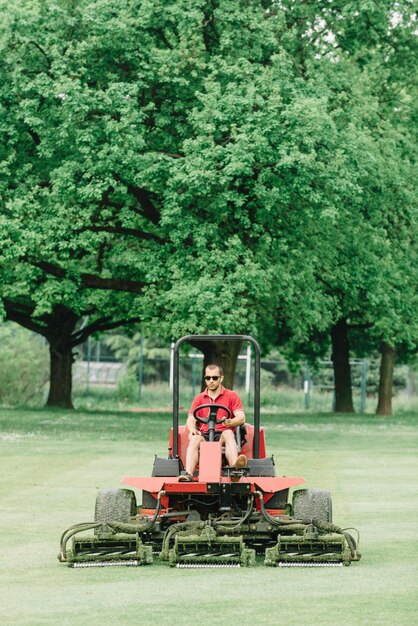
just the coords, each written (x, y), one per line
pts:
(211, 476)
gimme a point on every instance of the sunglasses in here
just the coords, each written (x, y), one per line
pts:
(212, 377)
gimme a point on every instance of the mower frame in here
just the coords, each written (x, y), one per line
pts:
(176, 383)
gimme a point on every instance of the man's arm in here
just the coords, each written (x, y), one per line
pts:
(191, 425)
(237, 420)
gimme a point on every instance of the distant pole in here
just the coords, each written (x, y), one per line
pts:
(307, 387)
(141, 366)
(88, 361)
(193, 374)
(363, 386)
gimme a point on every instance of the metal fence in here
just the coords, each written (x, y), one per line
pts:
(95, 372)
(325, 381)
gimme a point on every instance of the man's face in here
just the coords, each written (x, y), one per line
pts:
(213, 384)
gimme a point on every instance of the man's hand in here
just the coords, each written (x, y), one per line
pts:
(192, 426)
(237, 420)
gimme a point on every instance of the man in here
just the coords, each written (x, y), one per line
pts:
(214, 393)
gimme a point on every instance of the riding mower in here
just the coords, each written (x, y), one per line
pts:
(225, 517)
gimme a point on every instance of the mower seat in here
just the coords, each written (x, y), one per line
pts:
(240, 432)
(245, 446)
(183, 441)
(248, 443)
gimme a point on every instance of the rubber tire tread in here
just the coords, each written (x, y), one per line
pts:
(312, 505)
(116, 505)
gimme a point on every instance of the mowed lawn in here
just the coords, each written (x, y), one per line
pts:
(53, 462)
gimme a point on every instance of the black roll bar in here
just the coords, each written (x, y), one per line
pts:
(176, 383)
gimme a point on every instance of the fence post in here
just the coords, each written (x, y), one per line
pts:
(307, 387)
(193, 374)
(141, 366)
(363, 386)
(88, 361)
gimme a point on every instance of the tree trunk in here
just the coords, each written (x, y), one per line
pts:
(387, 364)
(60, 384)
(224, 353)
(58, 328)
(59, 337)
(342, 370)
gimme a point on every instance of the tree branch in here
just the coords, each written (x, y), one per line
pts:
(101, 324)
(42, 51)
(121, 230)
(22, 315)
(92, 281)
(161, 34)
(34, 136)
(144, 198)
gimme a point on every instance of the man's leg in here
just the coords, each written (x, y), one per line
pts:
(231, 450)
(192, 454)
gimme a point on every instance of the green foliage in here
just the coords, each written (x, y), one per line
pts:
(127, 388)
(212, 166)
(23, 366)
(127, 348)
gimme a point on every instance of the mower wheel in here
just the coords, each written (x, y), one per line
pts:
(312, 505)
(116, 505)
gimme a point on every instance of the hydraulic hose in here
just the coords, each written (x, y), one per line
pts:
(195, 525)
(70, 532)
(175, 529)
(333, 528)
(290, 524)
(114, 526)
(123, 527)
(247, 514)
(299, 525)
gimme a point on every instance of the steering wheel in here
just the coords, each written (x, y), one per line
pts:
(212, 418)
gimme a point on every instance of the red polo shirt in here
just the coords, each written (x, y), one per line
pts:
(228, 398)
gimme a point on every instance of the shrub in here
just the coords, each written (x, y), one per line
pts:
(24, 365)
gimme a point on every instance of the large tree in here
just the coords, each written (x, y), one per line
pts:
(366, 55)
(74, 235)
(97, 108)
(207, 158)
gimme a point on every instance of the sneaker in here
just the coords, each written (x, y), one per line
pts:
(185, 477)
(241, 461)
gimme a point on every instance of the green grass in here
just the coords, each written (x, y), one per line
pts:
(53, 462)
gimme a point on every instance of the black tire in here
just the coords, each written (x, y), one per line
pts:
(115, 505)
(312, 505)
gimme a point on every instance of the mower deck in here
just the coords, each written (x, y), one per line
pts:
(218, 524)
